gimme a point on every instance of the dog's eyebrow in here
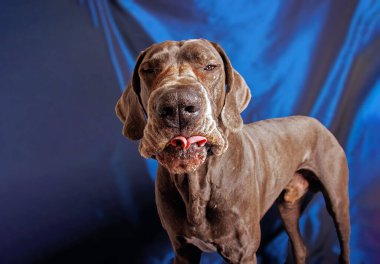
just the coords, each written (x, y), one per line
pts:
(196, 53)
(201, 56)
(153, 62)
(161, 55)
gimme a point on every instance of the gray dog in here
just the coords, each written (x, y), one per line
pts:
(217, 177)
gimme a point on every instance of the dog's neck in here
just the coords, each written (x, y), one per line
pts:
(195, 190)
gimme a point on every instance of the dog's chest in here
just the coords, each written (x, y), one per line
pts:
(211, 224)
(202, 234)
(209, 216)
(201, 244)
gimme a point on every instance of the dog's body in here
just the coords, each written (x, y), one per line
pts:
(211, 196)
(219, 207)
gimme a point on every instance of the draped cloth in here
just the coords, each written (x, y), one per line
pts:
(72, 189)
(315, 58)
(320, 59)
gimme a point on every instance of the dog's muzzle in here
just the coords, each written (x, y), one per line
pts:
(181, 130)
(180, 106)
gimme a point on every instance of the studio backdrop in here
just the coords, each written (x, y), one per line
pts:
(74, 190)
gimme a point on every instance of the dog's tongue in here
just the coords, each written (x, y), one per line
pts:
(185, 143)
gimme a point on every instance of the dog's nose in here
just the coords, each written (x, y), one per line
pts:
(179, 107)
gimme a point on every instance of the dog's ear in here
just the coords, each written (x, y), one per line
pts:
(237, 94)
(129, 108)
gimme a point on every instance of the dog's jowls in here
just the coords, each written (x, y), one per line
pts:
(217, 177)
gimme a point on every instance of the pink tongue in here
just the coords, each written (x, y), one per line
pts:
(185, 143)
(179, 141)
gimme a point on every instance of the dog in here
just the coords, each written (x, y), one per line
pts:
(216, 176)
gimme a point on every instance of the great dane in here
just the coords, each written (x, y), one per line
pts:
(217, 177)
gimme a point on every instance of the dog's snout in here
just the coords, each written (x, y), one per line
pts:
(167, 111)
(190, 110)
(179, 107)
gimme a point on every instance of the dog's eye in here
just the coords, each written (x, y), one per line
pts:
(148, 70)
(209, 67)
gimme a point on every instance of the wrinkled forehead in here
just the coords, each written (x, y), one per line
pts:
(196, 49)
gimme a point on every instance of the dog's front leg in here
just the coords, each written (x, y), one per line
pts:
(239, 256)
(240, 246)
(185, 253)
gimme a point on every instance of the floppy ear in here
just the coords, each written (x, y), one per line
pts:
(129, 108)
(237, 94)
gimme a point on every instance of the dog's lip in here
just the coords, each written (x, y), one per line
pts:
(184, 147)
(185, 143)
(178, 154)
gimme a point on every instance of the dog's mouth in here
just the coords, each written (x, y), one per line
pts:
(184, 155)
(185, 143)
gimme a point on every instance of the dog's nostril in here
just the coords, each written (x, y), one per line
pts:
(190, 109)
(167, 111)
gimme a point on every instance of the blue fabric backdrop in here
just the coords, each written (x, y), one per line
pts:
(73, 189)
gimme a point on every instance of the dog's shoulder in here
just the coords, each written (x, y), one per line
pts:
(281, 122)
(284, 126)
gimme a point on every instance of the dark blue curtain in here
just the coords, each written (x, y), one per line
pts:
(73, 189)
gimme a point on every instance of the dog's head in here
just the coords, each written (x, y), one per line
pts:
(182, 98)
